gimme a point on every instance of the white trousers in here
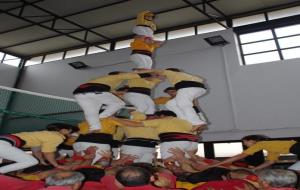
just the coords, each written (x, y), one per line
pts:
(82, 146)
(22, 159)
(182, 104)
(185, 146)
(142, 61)
(142, 102)
(143, 31)
(91, 104)
(143, 154)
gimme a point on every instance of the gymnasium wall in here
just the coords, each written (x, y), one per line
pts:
(242, 100)
(8, 75)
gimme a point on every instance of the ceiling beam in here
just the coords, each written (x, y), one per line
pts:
(66, 20)
(13, 54)
(205, 13)
(49, 28)
(227, 18)
(15, 8)
(249, 13)
(101, 25)
(68, 15)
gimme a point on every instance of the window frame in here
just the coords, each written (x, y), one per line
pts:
(267, 25)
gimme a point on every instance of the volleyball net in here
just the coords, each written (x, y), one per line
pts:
(22, 110)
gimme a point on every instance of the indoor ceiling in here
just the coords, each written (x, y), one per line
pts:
(33, 27)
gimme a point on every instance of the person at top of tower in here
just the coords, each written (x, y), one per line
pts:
(145, 25)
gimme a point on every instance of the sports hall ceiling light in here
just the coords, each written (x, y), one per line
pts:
(216, 41)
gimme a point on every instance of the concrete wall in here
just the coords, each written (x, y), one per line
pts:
(8, 75)
(242, 100)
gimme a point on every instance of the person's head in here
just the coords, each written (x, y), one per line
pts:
(63, 128)
(173, 69)
(171, 91)
(250, 140)
(66, 178)
(165, 113)
(277, 178)
(164, 178)
(132, 176)
(148, 15)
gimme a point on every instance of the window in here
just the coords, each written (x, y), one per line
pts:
(201, 151)
(11, 60)
(248, 20)
(288, 30)
(262, 58)
(291, 53)
(209, 28)
(95, 49)
(54, 57)
(160, 37)
(221, 149)
(181, 33)
(34, 61)
(284, 13)
(289, 41)
(123, 44)
(1, 56)
(278, 43)
(256, 36)
(75, 53)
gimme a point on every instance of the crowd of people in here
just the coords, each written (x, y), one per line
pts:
(115, 147)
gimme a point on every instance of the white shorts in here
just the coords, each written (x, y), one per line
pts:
(142, 61)
(142, 102)
(143, 31)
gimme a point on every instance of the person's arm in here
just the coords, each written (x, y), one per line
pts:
(129, 123)
(232, 159)
(50, 156)
(36, 151)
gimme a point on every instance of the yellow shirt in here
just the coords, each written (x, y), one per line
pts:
(143, 83)
(108, 126)
(187, 185)
(141, 44)
(169, 124)
(114, 81)
(274, 148)
(161, 100)
(140, 132)
(175, 77)
(47, 140)
(140, 20)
